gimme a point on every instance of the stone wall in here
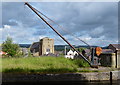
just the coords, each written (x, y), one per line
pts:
(46, 44)
(118, 59)
(108, 59)
(95, 76)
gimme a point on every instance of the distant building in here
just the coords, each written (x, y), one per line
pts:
(44, 46)
(25, 52)
(71, 54)
(111, 56)
(114, 47)
(35, 47)
(107, 51)
(2, 54)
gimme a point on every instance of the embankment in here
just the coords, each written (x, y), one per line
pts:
(92, 76)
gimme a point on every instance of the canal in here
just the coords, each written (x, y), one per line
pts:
(64, 83)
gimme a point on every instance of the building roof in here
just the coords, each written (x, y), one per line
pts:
(87, 50)
(46, 38)
(103, 51)
(35, 46)
(70, 52)
(116, 46)
(107, 51)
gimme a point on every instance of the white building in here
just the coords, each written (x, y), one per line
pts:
(71, 54)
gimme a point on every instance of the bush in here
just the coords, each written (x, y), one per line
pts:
(81, 63)
(81, 49)
(12, 49)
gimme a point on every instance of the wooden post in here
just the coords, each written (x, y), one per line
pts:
(110, 78)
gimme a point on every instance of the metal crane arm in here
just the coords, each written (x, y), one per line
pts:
(26, 3)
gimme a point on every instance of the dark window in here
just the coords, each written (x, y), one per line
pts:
(47, 50)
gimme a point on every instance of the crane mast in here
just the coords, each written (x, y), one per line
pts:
(33, 9)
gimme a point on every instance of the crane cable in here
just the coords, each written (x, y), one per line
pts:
(62, 27)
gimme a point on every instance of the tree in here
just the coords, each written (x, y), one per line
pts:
(81, 49)
(10, 48)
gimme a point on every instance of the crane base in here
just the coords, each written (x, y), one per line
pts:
(94, 66)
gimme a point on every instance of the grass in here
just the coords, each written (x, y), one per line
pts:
(42, 65)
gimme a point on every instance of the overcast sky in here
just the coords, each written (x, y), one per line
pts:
(94, 22)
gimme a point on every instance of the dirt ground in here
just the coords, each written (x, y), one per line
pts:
(100, 69)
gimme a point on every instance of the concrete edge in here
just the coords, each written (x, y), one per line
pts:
(94, 76)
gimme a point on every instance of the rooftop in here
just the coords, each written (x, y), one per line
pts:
(107, 51)
(117, 46)
(35, 45)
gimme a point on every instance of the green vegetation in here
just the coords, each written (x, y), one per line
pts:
(81, 49)
(87, 70)
(12, 49)
(42, 65)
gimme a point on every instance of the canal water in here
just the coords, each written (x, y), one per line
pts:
(64, 83)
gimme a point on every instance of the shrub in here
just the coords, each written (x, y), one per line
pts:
(81, 49)
(81, 63)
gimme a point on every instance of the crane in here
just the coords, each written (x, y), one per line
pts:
(81, 55)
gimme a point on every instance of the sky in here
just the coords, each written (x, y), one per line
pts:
(96, 23)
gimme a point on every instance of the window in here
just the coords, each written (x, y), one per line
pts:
(47, 50)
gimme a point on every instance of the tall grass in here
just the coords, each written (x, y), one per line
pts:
(42, 65)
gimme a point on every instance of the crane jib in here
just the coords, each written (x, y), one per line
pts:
(57, 32)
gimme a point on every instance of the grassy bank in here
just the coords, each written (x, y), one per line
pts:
(42, 65)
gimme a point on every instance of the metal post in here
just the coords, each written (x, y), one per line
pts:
(92, 56)
(65, 50)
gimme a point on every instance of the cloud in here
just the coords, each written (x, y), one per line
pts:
(97, 32)
(7, 27)
(90, 21)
